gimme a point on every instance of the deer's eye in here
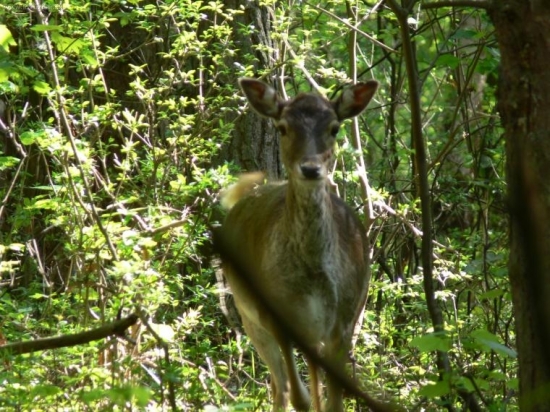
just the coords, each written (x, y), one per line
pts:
(282, 129)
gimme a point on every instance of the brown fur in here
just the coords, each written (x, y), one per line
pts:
(306, 248)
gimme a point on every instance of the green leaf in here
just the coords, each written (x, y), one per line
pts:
(465, 34)
(440, 388)
(492, 294)
(8, 161)
(29, 137)
(90, 59)
(142, 396)
(491, 342)
(4, 74)
(92, 395)
(40, 87)
(46, 27)
(6, 38)
(448, 60)
(47, 204)
(465, 383)
(44, 391)
(38, 295)
(432, 342)
(67, 44)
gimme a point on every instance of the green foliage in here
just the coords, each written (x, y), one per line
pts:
(115, 117)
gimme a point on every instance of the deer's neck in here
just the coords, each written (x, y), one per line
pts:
(308, 220)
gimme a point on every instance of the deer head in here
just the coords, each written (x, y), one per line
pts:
(308, 124)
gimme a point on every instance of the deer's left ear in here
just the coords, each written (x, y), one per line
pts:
(262, 97)
(355, 99)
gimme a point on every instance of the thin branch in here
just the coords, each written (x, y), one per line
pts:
(114, 328)
(300, 65)
(415, 231)
(355, 29)
(420, 165)
(12, 185)
(171, 225)
(480, 4)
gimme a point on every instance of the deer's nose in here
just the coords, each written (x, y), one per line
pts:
(311, 170)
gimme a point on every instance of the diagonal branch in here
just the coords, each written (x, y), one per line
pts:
(114, 328)
(480, 4)
(354, 28)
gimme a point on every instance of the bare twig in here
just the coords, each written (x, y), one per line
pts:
(356, 136)
(480, 4)
(416, 231)
(354, 28)
(360, 166)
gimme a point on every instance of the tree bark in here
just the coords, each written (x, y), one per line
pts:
(523, 33)
(254, 144)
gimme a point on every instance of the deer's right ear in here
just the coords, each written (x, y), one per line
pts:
(354, 99)
(262, 98)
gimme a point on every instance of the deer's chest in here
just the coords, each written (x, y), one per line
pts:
(304, 280)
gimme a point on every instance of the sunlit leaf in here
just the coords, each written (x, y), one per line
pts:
(40, 87)
(492, 342)
(4, 75)
(28, 137)
(164, 331)
(6, 38)
(67, 44)
(38, 296)
(46, 27)
(8, 161)
(48, 204)
(432, 342)
(448, 60)
(436, 390)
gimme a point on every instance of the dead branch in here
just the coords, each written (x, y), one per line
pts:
(114, 328)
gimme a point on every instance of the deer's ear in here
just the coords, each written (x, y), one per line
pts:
(355, 99)
(262, 98)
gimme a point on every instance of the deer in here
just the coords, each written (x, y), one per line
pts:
(306, 249)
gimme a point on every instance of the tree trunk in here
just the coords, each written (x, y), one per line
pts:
(523, 32)
(254, 145)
